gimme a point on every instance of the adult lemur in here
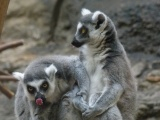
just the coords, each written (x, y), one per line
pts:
(42, 85)
(111, 81)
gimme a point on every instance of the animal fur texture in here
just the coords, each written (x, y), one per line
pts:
(60, 74)
(108, 67)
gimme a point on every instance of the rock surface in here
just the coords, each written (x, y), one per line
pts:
(154, 76)
(155, 65)
(138, 69)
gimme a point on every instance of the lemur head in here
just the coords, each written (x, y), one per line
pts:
(38, 82)
(90, 28)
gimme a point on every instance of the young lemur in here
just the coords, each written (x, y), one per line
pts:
(42, 85)
(108, 67)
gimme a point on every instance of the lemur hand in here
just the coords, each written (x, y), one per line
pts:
(66, 98)
(83, 94)
(91, 113)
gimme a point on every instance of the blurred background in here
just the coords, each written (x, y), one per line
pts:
(47, 27)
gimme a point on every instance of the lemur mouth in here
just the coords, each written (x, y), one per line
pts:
(39, 101)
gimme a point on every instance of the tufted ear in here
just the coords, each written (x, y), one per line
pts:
(50, 71)
(19, 76)
(85, 11)
(98, 17)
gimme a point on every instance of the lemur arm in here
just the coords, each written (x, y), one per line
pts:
(82, 78)
(78, 102)
(108, 99)
(110, 96)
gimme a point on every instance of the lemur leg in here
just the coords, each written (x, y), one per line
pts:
(128, 112)
(112, 113)
(71, 106)
(104, 102)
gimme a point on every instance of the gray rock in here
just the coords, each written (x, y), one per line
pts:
(154, 73)
(139, 68)
(158, 52)
(155, 65)
(148, 101)
(154, 76)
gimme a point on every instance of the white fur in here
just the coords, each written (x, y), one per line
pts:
(85, 11)
(50, 70)
(96, 14)
(51, 94)
(36, 83)
(99, 82)
(18, 75)
(78, 27)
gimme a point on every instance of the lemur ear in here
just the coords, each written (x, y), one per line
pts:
(50, 71)
(19, 76)
(98, 18)
(85, 11)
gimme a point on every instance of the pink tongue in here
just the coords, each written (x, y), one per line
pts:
(39, 101)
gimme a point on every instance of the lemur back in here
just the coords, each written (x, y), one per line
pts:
(102, 54)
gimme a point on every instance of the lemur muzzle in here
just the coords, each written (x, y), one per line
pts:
(40, 99)
(76, 43)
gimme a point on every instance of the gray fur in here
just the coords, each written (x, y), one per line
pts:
(21, 103)
(72, 106)
(70, 72)
(111, 81)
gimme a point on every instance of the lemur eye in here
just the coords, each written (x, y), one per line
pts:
(45, 85)
(30, 89)
(83, 30)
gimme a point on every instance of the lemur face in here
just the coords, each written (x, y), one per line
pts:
(39, 85)
(89, 28)
(37, 90)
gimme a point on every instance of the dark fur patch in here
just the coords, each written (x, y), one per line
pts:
(101, 19)
(110, 34)
(21, 113)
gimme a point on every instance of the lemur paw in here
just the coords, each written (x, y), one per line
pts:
(67, 95)
(66, 101)
(91, 113)
(83, 94)
(80, 105)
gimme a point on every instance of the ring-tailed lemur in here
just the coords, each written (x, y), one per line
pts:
(44, 82)
(111, 81)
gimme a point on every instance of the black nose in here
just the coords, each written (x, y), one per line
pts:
(76, 43)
